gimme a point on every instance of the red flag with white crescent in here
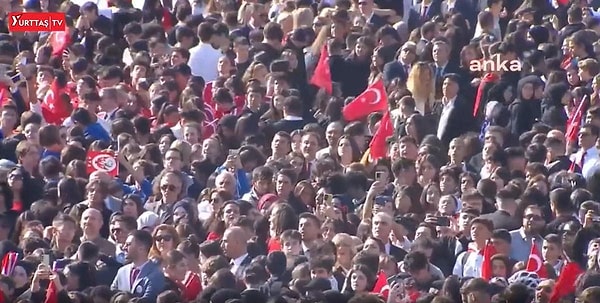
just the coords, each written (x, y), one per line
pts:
(322, 75)
(105, 161)
(373, 99)
(535, 262)
(378, 145)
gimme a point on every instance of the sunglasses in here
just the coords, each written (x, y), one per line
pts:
(166, 238)
(168, 187)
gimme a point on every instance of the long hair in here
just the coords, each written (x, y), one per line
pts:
(421, 83)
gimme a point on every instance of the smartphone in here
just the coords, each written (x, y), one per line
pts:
(443, 221)
(234, 152)
(23, 60)
(378, 176)
(46, 260)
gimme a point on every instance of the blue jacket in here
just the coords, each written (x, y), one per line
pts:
(96, 132)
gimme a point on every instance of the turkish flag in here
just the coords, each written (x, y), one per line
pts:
(322, 75)
(4, 94)
(51, 293)
(488, 252)
(381, 286)
(54, 109)
(373, 99)
(104, 160)
(565, 284)
(59, 42)
(574, 122)
(535, 262)
(378, 146)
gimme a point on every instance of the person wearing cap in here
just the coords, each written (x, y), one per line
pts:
(454, 114)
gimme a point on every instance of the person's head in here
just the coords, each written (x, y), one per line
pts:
(309, 227)
(501, 240)
(552, 248)
(175, 265)
(63, 228)
(121, 226)
(234, 242)
(321, 267)
(28, 155)
(91, 222)
(588, 135)
(440, 52)
(475, 290)
(382, 226)
(173, 159)
(137, 246)
(170, 186)
(284, 182)
(165, 239)
(291, 242)
(226, 181)
(481, 230)
(362, 278)
(589, 295)
(500, 266)
(417, 265)
(80, 276)
(533, 221)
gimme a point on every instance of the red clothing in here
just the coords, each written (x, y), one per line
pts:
(274, 244)
(193, 286)
(17, 206)
(213, 236)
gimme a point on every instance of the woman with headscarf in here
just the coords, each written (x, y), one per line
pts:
(522, 115)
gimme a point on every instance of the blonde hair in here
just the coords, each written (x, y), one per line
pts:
(303, 17)
(419, 87)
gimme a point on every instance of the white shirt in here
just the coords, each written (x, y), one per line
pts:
(204, 60)
(177, 131)
(471, 267)
(237, 262)
(591, 161)
(444, 117)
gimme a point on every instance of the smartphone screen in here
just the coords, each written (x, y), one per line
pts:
(233, 152)
(378, 175)
(46, 260)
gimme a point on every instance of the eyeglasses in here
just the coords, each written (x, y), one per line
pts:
(168, 187)
(166, 238)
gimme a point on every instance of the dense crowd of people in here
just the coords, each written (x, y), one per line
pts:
(330, 151)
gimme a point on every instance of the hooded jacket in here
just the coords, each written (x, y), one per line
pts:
(553, 111)
(523, 112)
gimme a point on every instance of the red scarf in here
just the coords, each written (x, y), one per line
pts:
(488, 78)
